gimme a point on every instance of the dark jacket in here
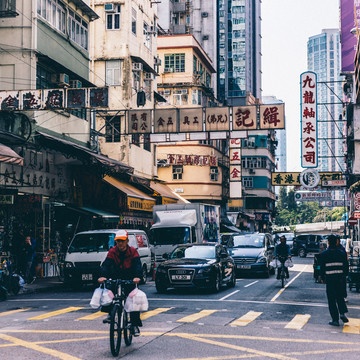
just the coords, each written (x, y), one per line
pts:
(333, 265)
(282, 250)
(122, 265)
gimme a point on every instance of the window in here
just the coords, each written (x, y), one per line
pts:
(248, 182)
(175, 62)
(133, 21)
(113, 19)
(136, 80)
(135, 139)
(194, 64)
(112, 129)
(54, 12)
(147, 143)
(113, 73)
(180, 99)
(147, 89)
(147, 36)
(78, 29)
(177, 172)
(214, 173)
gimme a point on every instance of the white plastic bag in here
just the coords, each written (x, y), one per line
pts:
(136, 301)
(275, 263)
(106, 297)
(95, 300)
(289, 263)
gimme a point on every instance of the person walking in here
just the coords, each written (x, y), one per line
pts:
(123, 262)
(334, 268)
(29, 258)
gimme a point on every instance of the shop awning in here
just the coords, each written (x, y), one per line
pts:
(136, 199)
(167, 195)
(101, 213)
(8, 155)
(85, 155)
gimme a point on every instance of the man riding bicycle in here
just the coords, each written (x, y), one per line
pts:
(282, 252)
(123, 262)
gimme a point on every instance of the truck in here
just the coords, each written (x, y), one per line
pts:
(175, 224)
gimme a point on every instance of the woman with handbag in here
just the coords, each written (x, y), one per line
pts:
(123, 262)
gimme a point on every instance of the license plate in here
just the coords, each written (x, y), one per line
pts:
(86, 277)
(244, 267)
(180, 277)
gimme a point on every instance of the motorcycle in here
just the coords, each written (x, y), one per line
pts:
(9, 281)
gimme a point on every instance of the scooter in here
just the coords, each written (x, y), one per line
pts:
(9, 282)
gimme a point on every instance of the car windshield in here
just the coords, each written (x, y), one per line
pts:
(92, 242)
(194, 252)
(170, 236)
(249, 241)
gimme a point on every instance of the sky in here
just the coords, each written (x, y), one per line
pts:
(286, 28)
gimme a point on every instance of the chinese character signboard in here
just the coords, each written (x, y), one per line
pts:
(235, 169)
(244, 118)
(76, 98)
(308, 101)
(293, 178)
(31, 99)
(191, 120)
(217, 119)
(165, 121)
(139, 122)
(197, 160)
(9, 100)
(272, 116)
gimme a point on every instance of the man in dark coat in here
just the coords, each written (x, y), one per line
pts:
(334, 268)
(123, 262)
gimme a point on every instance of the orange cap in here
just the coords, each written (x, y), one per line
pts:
(121, 235)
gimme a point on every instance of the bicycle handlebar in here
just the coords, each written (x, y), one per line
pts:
(119, 281)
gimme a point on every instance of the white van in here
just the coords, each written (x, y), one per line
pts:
(88, 249)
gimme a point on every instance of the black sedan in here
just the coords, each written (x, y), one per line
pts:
(206, 266)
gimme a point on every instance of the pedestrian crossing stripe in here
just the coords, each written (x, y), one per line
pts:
(54, 313)
(196, 316)
(151, 313)
(352, 327)
(246, 319)
(93, 316)
(298, 322)
(10, 312)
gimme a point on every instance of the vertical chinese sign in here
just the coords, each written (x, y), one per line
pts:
(235, 169)
(308, 108)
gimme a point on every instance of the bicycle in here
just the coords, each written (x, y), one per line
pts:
(119, 318)
(283, 277)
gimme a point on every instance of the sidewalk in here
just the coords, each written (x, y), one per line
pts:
(41, 285)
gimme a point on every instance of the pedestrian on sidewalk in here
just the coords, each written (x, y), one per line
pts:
(30, 257)
(334, 268)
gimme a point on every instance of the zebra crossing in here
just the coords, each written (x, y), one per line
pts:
(296, 323)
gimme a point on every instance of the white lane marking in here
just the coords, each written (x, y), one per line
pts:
(49, 300)
(251, 283)
(292, 280)
(228, 295)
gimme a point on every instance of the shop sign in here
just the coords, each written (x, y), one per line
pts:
(244, 118)
(191, 120)
(196, 160)
(6, 199)
(166, 200)
(140, 204)
(352, 222)
(217, 119)
(356, 215)
(334, 183)
(293, 178)
(139, 122)
(165, 121)
(272, 116)
(308, 117)
(313, 196)
(357, 201)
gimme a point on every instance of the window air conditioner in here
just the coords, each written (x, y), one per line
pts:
(75, 84)
(137, 67)
(152, 30)
(60, 79)
(109, 7)
(184, 91)
(168, 69)
(178, 171)
(251, 171)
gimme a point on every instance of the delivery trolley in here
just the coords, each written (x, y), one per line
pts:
(354, 273)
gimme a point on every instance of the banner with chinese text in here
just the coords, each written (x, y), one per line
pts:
(272, 116)
(308, 108)
(293, 178)
(165, 121)
(235, 168)
(244, 118)
(139, 121)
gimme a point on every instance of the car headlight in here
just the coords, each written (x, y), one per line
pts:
(205, 270)
(161, 270)
(261, 259)
(68, 264)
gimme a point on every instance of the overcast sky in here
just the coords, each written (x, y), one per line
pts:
(286, 27)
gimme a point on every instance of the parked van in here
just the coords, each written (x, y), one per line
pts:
(88, 249)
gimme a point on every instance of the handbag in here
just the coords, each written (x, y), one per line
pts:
(106, 297)
(136, 301)
(95, 300)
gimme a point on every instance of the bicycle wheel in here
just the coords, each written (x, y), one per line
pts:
(282, 277)
(126, 327)
(115, 330)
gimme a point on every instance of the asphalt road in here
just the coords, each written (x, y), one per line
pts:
(256, 319)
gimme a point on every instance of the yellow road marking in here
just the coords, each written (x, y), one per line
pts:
(93, 316)
(235, 347)
(13, 311)
(352, 327)
(54, 313)
(298, 322)
(246, 319)
(201, 314)
(35, 347)
(157, 311)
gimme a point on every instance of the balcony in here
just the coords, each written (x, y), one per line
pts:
(179, 8)
(8, 8)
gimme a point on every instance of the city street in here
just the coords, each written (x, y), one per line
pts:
(256, 319)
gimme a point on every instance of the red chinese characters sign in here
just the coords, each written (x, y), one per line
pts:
(196, 160)
(308, 101)
(272, 116)
(244, 118)
(235, 168)
(139, 122)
